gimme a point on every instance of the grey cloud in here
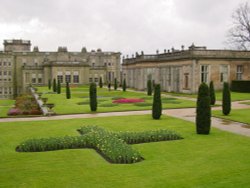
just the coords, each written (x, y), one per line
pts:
(126, 26)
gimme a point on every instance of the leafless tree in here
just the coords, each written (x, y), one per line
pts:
(239, 33)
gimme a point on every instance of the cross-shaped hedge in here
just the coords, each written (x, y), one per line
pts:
(113, 146)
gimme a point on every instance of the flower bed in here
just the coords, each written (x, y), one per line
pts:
(25, 105)
(113, 146)
(126, 100)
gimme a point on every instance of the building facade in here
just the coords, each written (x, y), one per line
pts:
(20, 67)
(183, 70)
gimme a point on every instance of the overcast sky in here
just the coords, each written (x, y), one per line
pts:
(117, 25)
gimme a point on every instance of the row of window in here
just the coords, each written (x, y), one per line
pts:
(223, 73)
(68, 78)
(5, 79)
(93, 79)
(5, 63)
(5, 73)
(5, 91)
(37, 80)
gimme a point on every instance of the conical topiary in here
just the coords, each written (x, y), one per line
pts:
(93, 97)
(212, 93)
(149, 88)
(203, 110)
(226, 99)
(157, 106)
(68, 94)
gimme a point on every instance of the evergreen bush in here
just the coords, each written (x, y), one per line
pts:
(157, 106)
(49, 84)
(115, 84)
(226, 99)
(203, 110)
(124, 85)
(109, 86)
(58, 87)
(113, 146)
(54, 85)
(100, 82)
(92, 97)
(149, 88)
(68, 94)
(212, 93)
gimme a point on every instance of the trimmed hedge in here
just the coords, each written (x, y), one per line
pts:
(203, 110)
(113, 146)
(241, 86)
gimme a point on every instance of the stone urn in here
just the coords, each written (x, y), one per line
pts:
(44, 101)
(50, 106)
(39, 95)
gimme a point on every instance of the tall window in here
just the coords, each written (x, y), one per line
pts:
(90, 80)
(239, 72)
(68, 77)
(40, 80)
(186, 77)
(204, 73)
(169, 76)
(60, 77)
(223, 73)
(33, 78)
(76, 77)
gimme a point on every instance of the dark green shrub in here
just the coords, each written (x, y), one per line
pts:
(157, 106)
(49, 84)
(226, 99)
(54, 85)
(93, 97)
(212, 93)
(58, 87)
(100, 82)
(241, 86)
(203, 110)
(68, 94)
(124, 85)
(113, 146)
(153, 85)
(115, 84)
(149, 87)
(109, 86)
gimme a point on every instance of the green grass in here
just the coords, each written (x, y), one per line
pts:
(81, 95)
(248, 103)
(235, 96)
(5, 105)
(220, 159)
(240, 115)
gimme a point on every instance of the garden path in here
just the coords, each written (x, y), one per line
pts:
(184, 113)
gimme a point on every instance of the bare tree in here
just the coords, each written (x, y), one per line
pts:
(239, 33)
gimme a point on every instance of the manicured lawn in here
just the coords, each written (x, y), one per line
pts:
(105, 98)
(248, 103)
(235, 96)
(5, 105)
(220, 159)
(240, 115)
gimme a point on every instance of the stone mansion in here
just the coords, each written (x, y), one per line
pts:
(176, 70)
(20, 67)
(184, 70)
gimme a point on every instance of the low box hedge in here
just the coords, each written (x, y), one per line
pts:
(241, 86)
(113, 146)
